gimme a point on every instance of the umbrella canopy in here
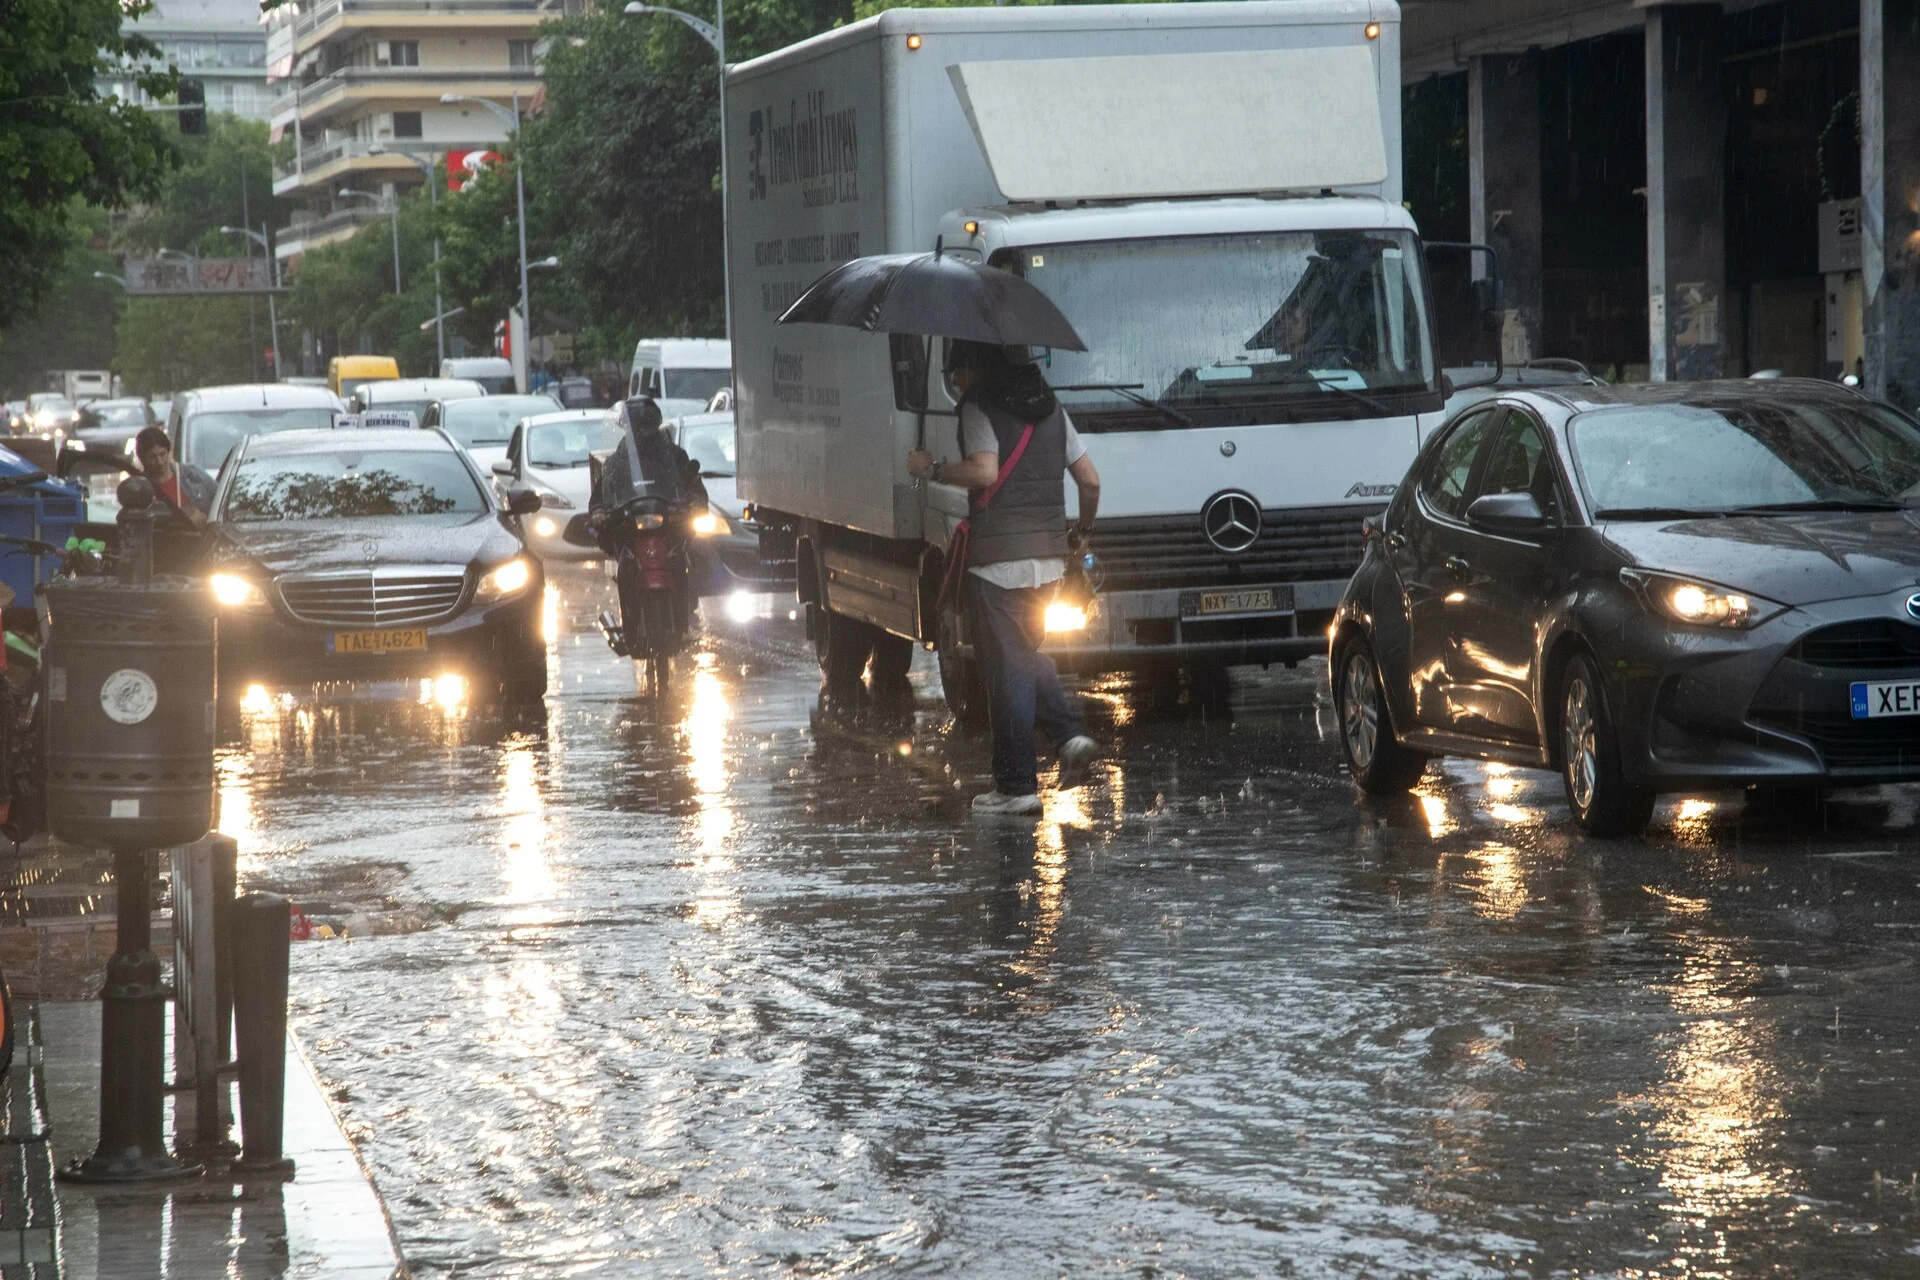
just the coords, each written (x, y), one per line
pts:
(939, 294)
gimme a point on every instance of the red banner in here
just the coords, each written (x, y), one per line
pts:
(464, 166)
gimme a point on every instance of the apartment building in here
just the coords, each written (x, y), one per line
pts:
(217, 42)
(360, 84)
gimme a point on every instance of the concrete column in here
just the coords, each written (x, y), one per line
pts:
(1686, 167)
(1890, 196)
(1503, 171)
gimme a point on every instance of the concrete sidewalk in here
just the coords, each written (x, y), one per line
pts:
(328, 1222)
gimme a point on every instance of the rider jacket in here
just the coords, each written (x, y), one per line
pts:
(645, 463)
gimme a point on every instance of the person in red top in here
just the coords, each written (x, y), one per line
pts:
(184, 488)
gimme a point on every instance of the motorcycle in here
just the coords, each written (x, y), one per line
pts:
(648, 538)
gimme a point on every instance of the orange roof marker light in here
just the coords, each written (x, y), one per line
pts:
(1373, 31)
(913, 42)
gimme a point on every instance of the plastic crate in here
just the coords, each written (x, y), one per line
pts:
(50, 511)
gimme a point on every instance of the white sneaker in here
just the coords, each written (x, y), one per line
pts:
(994, 804)
(1077, 754)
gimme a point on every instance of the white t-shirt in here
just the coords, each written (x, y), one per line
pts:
(976, 436)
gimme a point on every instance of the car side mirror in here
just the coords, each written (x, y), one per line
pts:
(502, 468)
(1507, 513)
(908, 352)
(578, 533)
(522, 502)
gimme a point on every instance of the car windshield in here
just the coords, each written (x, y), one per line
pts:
(211, 436)
(113, 415)
(57, 404)
(347, 483)
(1331, 318)
(695, 384)
(1661, 461)
(489, 420)
(566, 444)
(711, 445)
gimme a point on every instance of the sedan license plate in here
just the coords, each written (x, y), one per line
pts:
(1229, 602)
(396, 640)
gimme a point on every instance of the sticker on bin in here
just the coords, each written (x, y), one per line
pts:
(129, 695)
(123, 808)
(1875, 698)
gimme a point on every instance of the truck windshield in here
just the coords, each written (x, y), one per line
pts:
(1331, 319)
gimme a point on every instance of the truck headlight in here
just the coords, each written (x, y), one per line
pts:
(503, 581)
(1064, 615)
(709, 524)
(1700, 604)
(233, 591)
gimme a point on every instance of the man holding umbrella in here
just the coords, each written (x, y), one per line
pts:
(1015, 551)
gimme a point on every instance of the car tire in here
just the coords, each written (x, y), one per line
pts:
(1605, 804)
(962, 683)
(1376, 759)
(523, 683)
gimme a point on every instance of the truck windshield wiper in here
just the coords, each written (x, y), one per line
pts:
(1824, 504)
(1131, 390)
(1660, 513)
(1318, 385)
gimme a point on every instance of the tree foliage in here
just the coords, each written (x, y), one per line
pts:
(170, 344)
(72, 326)
(59, 140)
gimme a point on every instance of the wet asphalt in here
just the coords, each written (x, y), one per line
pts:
(729, 984)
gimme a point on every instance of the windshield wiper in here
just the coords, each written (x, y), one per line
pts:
(1131, 390)
(1318, 385)
(1823, 504)
(1660, 513)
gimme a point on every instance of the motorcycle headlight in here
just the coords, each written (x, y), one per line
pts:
(709, 524)
(1064, 615)
(505, 580)
(233, 591)
(1701, 604)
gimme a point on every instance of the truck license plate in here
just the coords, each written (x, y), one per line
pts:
(395, 640)
(1875, 698)
(1235, 601)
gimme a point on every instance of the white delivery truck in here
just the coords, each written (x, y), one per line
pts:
(1209, 191)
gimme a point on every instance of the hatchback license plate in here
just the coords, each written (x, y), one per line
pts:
(396, 640)
(1873, 699)
(1235, 601)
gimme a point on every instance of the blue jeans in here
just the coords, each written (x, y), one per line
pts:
(1022, 687)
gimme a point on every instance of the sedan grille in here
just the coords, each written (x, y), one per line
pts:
(1870, 643)
(1806, 695)
(380, 598)
(1295, 545)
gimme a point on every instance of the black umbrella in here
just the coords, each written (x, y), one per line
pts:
(939, 294)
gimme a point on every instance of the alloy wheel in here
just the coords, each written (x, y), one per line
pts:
(1579, 745)
(1360, 711)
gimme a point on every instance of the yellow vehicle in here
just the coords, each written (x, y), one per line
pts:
(347, 374)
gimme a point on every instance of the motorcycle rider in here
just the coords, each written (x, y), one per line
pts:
(645, 456)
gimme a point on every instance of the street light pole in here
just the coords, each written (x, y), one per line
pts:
(273, 282)
(393, 209)
(714, 34)
(520, 193)
(433, 200)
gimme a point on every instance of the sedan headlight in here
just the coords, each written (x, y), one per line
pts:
(709, 524)
(233, 591)
(1700, 604)
(508, 579)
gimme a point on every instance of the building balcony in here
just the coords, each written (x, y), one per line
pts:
(404, 86)
(325, 19)
(326, 165)
(297, 239)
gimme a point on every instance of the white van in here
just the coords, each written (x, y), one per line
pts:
(495, 373)
(680, 373)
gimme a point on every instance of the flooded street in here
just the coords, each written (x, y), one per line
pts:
(724, 986)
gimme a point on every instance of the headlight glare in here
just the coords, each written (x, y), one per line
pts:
(1064, 615)
(1700, 604)
(709, 524)
(505, 580)
(235, 592)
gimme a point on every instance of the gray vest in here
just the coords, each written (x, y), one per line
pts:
(1027, 519)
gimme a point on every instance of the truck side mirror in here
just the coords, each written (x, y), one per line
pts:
(1486, 304)
(908, 352)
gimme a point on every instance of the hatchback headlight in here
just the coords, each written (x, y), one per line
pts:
(235, 592)
(1700, 604)
(505, 580)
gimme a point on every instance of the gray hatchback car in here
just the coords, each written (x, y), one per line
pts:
(1648, 588)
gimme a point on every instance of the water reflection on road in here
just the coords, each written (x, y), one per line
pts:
(717, 985)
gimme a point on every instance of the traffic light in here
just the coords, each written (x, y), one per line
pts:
(193, 106)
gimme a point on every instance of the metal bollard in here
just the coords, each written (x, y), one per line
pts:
(226, 876)
(259, 950)
(133, 1045)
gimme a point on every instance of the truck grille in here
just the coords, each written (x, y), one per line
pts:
(1297, 545)
(381, 598)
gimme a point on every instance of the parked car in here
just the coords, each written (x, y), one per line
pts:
(726, 545)
(373, 554)
(207, 422)
(483, 427)
(549, 453)
(1648, 588)
(403, 402)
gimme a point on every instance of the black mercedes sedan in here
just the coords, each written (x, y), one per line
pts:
(1648, 588)
(372, 555)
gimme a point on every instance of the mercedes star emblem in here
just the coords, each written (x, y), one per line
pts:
(1228, 448)
(1231, 521)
